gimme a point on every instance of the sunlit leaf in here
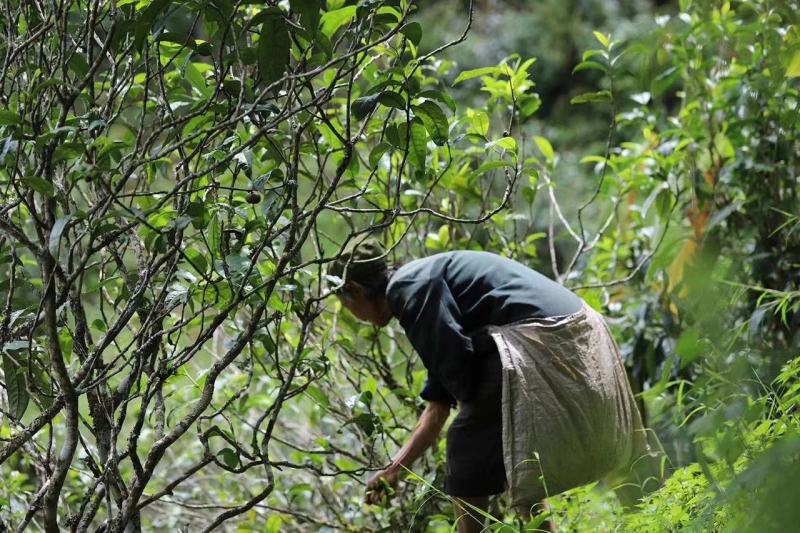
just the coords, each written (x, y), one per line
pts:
(602, 39)
(506, 143)
(333, 20)
(480, 123)
(476, 73)
(793, 70)
(545, 147)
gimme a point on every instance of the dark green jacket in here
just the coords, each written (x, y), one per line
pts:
(445, 301)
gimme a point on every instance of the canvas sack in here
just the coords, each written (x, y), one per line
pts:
(569, 416)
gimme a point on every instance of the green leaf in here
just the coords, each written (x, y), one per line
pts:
(599, 96)
(434, 119)
(365, 422)
(333, 20)
(474, 138)
(300, 489)
(545, 147)
(318, 396)
(16, 391)
(237, 264)
(197, 259)
(203, 48)
(530, 105)
(394, 137)
(40, 185)
(196, 122)
(8, 117)
(274, 523)
(592, 159)
(536, 521)
(689, 346)
(442, 97)
(55, 235)
(475, 73)
(480, 123)
(308, 14)
(723, 146)
(78, 64)
(506, 143)
(50, 82)
(586, 65)
(591, 53)
(377, 153)
(229, 457)
(493, 165)
(67, 151)
(664, 203)
(214, 236)
(197, 80)
(793, 70)
(361, 107)
(273, 47)
(418, 147)
(182, 39)
(413, 32)
(146, 20)
(392, 99)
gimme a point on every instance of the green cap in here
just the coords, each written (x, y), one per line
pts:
(361, 257)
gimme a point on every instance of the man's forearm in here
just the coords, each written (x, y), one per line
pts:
(424, 434)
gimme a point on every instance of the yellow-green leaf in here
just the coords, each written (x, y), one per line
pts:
(333, 20)
(480, 123)
(476, 73)
(793, 70)
(545, 147)
(506, 143)
(602, 38)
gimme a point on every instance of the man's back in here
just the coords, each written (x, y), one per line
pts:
(489, 289)
(445, 302)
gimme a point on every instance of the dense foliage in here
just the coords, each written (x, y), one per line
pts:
(176, 176)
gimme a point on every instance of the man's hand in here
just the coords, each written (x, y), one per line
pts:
(381, 486)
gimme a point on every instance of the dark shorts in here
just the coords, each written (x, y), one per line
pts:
(474, 440)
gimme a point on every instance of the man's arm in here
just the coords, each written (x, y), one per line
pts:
(423, 435)
(432, 320)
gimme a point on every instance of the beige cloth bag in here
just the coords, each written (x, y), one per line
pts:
(569, 416)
